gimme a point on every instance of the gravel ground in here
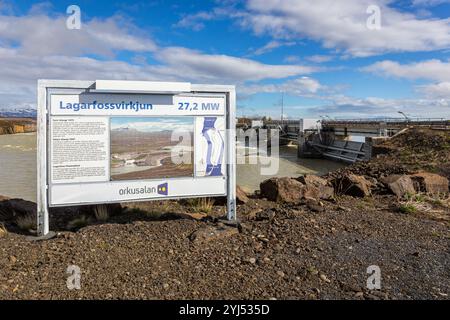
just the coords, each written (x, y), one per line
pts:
(280, 251)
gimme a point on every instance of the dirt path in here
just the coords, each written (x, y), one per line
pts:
(282, 252)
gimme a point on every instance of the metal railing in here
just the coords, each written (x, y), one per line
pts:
(374, 120)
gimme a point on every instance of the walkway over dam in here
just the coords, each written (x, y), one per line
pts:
(333, 138)
(359, 127)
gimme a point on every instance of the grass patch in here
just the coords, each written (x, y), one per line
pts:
(437, 200)
(78, 223)
(26, 222)
(153, 214)
(3, 231)
(204, 205)
(137, 211)
(149, 210)
(101, 212)
(312, 270)
(407, 208)
(419, 198)
(435, 234)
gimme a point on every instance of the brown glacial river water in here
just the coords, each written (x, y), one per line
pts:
(18, 167)
(249, 176)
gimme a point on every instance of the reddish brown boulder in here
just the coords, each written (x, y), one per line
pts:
(282, 189)
(241, 195)
(352, 185)
(315, 183)
(430, 183)
(294, 190)
(400, 185)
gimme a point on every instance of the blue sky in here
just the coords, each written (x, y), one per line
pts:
(326, 57)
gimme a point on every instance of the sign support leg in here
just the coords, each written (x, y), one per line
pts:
(231, 158)
(42, 205)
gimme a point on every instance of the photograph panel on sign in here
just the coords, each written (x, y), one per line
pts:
(151, 147)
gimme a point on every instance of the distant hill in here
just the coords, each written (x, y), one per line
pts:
(12, 125)
(18, 113)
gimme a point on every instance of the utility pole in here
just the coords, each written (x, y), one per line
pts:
(282, 107)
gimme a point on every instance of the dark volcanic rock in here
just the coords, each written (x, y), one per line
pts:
(11, 208)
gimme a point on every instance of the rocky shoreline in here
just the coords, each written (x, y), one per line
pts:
(308, 237)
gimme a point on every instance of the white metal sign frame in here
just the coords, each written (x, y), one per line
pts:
(48, 87)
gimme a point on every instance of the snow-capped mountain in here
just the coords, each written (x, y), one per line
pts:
(18, 113)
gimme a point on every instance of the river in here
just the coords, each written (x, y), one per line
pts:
(249, 175)
(18, 167)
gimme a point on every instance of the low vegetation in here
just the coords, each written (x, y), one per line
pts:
(149, 213)
(78, 223)
(101, 212)
(204, 205)
(26, 222)
(407, 208)
(3, 231)
(151, 209)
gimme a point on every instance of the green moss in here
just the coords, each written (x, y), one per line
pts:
(407, 208)
(78, 223)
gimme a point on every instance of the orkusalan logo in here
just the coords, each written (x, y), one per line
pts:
(162, 189)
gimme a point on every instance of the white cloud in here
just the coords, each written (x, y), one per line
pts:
(292, 59)
(20, 71)
(39, 46)
(195, 21)
(42, 35)
(434, 70)
(270, 46)
(436, 91)
(196, 65)
(319, 58)
(304, 87)
(343, 106)
(430, 69)
(341, 25)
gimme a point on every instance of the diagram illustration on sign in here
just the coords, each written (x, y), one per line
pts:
(211, 146)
